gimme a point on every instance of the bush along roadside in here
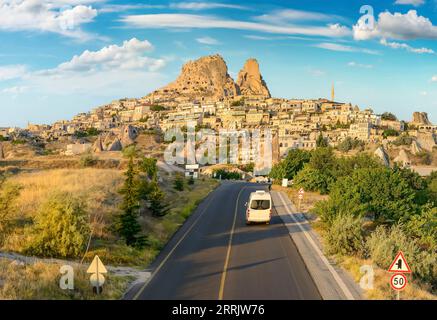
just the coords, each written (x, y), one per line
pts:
(371, 213)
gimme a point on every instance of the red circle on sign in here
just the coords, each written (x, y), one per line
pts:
(393, 278)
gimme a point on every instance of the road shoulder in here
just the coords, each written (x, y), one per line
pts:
(332, 282)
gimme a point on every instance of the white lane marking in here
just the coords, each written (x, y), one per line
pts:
(334, 273)
(228, 253)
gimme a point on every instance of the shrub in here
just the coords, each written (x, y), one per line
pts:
(191, 181)
(8, 194)
(423, 226)
(425, 158)
(384, 243)
(227, 175)
(345, 236)
(350, 144)
(61, 228)
(390, 133)
(403, 141)
(87, 160)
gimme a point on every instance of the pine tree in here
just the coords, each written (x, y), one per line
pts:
(156, 201)
(128, 226)
(179, 183)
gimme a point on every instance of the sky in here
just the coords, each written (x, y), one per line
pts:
(62, 57)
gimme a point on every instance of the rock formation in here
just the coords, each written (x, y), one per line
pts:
(2, 156)
(426, 140)
(250, 80)
(98, 145)
(420, 118)
(128, 135)
(383, 156)
(415, 147)
(403, 159)
(206, 77)
(115, 145)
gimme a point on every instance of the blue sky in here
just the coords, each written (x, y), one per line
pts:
(61, 57)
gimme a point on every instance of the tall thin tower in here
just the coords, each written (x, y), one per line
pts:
(332, 92)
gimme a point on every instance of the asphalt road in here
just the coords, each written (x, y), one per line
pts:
(216, 256)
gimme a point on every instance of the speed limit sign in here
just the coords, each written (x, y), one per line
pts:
(398, 281)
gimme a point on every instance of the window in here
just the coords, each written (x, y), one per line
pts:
(260, 204)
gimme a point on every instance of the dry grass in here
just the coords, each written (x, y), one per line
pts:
(41, 281)
(381, 287)
(97, 189)
(307, 203)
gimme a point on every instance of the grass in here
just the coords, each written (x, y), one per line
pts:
(98, 188)
(381, 287)
(40, 281)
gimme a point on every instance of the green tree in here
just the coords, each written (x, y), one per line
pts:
(379, 192)
(157, 204)
(148, 166)
(61, 228)
(389, 116)
(128, 226)
(390, 133)
(350, 144)
(291, 165)
(313, 180)
(321, 142)
(179, 182)
(322, 159)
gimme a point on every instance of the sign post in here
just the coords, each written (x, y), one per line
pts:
(399, 267)
(97, 270)
(301, 193)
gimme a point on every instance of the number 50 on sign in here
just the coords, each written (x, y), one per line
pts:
(398, 281)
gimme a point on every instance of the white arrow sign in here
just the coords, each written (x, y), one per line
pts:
(97, 268)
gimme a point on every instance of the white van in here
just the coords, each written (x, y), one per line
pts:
(259, 207)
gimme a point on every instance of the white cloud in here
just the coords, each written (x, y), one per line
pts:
(129, 56)
(204, 6)
(210, 22)
(15, 90)
(397, 26)
(316, 72)
(415, 3)
(398, 45)
(9, 72)
(359, 65)
(64, 17)
(434, 78)
(287, 15)
(343, 48)
(110, 8)
(111, 69)
(208, 41)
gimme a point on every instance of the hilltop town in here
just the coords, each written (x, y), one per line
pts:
(204, 93)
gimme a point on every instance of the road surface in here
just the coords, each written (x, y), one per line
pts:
(216, 256)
